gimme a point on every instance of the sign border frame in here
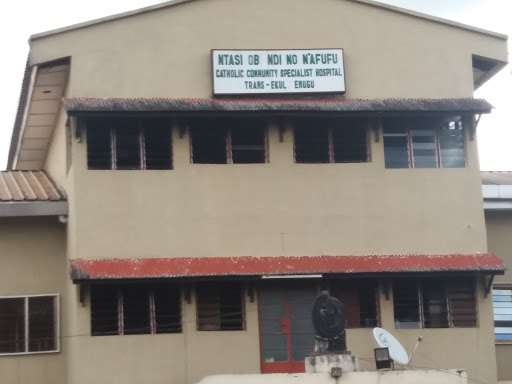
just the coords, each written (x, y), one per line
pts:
(245, 95)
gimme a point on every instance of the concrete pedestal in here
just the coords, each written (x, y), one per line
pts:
(325, 363)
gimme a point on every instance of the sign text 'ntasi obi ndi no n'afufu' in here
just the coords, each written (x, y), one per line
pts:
(237, 72)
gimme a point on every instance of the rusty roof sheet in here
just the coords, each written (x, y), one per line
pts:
(28, 186)
(158, 105)
(496, 177)
(82, 269)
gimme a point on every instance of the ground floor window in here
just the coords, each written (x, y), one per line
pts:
(502, 306)
(135, 309)
(220, 307)
(435, 303)
(28, 324)
(359, 297)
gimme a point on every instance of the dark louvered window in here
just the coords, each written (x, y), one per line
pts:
(129, 143)
(424, 142)
(434, 303)
(220, 307)
(135, 309)
(359, 298)
(28, 324)
(330, 140)
(228, 141)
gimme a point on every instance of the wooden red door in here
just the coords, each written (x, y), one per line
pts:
(287, 334)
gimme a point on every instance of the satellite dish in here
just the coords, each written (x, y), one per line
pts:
(387, 340)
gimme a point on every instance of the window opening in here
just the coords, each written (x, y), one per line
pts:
(439, 303)
(28, 324)
(135, 309)
(502, 307)
(360, 301)
(424, 142)
(129, 143)
(228, 141)
(220, 307)
(330, 140)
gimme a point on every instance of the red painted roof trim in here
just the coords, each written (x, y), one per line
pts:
(82, 269)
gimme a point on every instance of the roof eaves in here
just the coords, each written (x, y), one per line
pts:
(22, 104)
(106, 19)
(432, 18)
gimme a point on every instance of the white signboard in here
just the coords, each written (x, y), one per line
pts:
(278, 71)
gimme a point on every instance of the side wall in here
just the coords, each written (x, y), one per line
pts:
(33, 261)
(499, 238)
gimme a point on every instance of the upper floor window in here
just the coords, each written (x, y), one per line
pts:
(28, 324)
(434, 303)
(228, 141)
(135, 309)
(220, 307)
(359, 298)
(424, 142)
(502, 306)
(324, 140)
(129, 143)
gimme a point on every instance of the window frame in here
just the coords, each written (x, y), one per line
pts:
(507, 287)
(153, 327)
(354, 289)
(56, 304)
(330, 142)
(228, 143)
(141, 130)
(421, 304)
(437, 142)
(242, 303)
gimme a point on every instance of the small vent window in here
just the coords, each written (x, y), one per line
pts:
(135, 309)
(228, 141)
(330, 140)
(434, 303)
(220, 307)
(129, 143)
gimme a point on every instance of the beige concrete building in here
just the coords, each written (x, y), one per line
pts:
(497, 192)
(184, 179)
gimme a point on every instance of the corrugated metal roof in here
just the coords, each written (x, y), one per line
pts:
(82, 269)
(28, 186)
(497, 177)
(84, 105)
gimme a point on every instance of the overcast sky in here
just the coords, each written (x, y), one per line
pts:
(19, 19)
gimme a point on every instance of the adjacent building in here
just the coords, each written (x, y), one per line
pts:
(185, 178)
(497, 192)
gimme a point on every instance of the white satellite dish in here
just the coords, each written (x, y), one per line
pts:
(387, 340)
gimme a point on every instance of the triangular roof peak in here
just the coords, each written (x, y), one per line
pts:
(166, 4)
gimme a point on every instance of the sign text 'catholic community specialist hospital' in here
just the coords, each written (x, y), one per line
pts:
(278, 71)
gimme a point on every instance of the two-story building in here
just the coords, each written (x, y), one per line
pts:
(185, 178)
